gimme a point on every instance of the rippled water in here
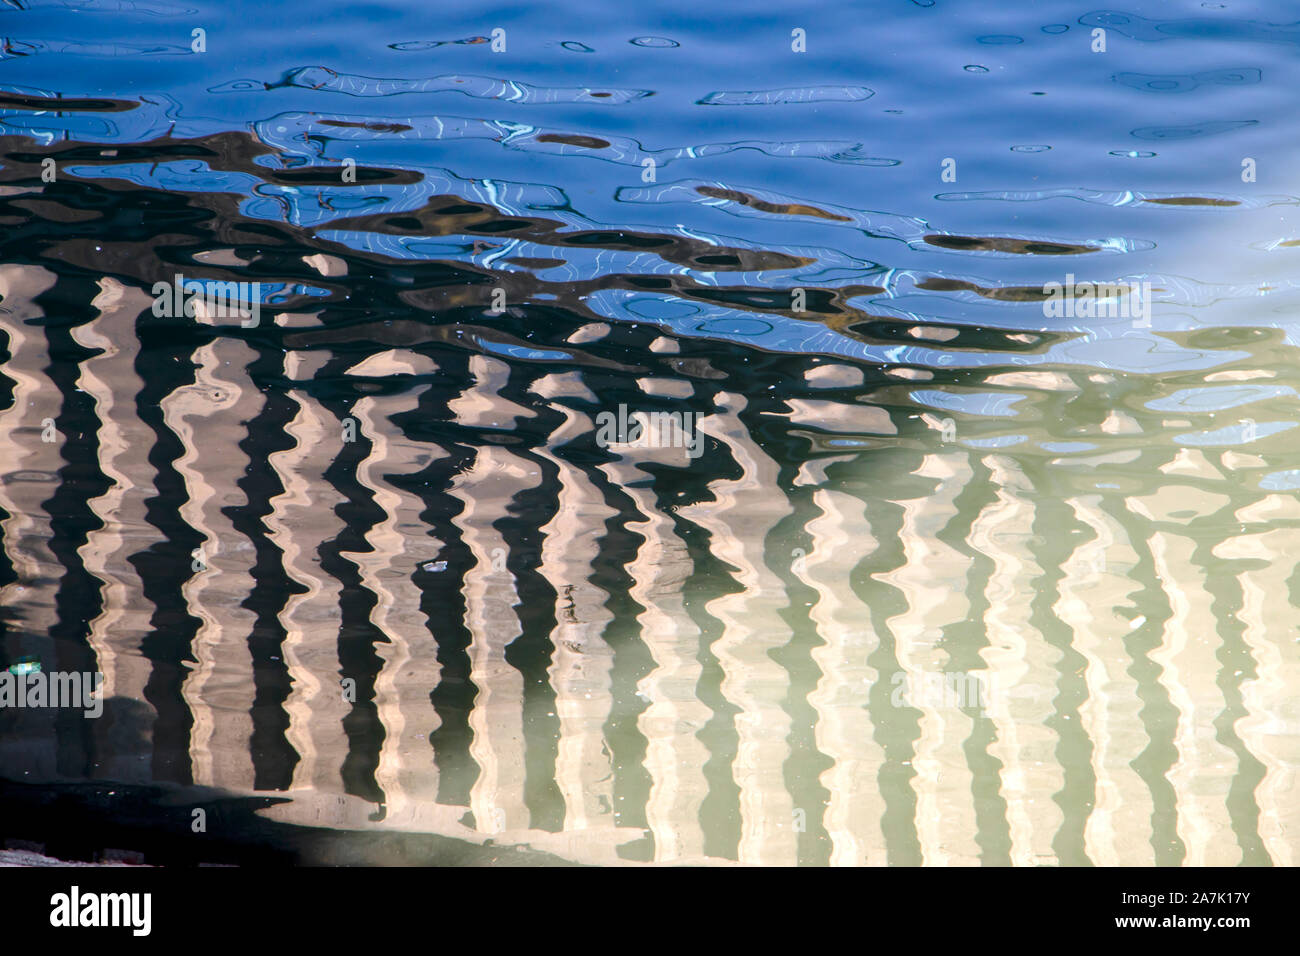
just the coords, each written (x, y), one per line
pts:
(372, 554)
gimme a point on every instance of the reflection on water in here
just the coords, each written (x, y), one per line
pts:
(949, 582)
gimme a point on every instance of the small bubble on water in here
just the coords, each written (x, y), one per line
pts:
(657, 42)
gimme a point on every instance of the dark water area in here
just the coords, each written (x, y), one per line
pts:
(314, 320)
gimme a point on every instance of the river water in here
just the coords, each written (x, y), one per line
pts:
(936, 573)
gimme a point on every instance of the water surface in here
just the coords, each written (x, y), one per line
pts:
(370, 555)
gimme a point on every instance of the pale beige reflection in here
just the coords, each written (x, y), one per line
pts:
(960, 549)
(31, 463)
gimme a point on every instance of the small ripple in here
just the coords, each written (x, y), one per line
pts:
(480, 87)
(411, 46)
(1146, 30)
(1194, 131)
(803, 94)
(1185, 83)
